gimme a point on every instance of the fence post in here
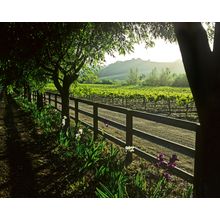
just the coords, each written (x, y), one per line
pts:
(129, 136)
(169, 106)
(95, 120)
(49, 97)
(76, 111)
(55, 100)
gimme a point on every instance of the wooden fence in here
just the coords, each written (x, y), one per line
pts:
(129, 130)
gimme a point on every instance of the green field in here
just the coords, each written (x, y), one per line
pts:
(180, 96)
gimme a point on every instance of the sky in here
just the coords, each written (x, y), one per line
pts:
(161, 52)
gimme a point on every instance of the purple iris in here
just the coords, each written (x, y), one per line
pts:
(172, 161)
(161, 159)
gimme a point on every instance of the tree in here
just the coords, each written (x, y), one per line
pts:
(165, 77)
(20, 43)
(133, 77)
(71, 46)
(61, 50)
(89, 74)
(180, 80)
(152, 79)
(203, 72)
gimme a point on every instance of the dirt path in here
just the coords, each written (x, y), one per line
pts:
(25, 167)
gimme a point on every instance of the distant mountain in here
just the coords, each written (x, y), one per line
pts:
(120, 69)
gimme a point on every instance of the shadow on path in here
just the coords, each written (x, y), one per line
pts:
(21, 173)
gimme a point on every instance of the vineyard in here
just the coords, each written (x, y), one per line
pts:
(175, 102)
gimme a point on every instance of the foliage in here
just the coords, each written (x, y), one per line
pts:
(70, 47)
(61, 51)
(133, 77)
(46, 118)
(105, 81)
(165, 78)
(100, 167)
(152, 79)
(88, 74)
(180, 81)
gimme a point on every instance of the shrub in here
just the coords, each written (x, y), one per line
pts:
(47, 118)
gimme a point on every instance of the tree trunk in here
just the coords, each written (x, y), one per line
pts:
(203, 74)
(65, 107)
(40, 103)
(209, 177)
(67, 80)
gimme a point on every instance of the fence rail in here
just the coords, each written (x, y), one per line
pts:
(130, 131)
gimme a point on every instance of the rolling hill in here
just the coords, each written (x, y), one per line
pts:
(120, 69)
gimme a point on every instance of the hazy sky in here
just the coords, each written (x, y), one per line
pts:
(162, 52)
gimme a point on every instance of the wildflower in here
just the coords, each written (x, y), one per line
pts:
(167, 176)
(64, 120)
(129, 149)
(161, 159)
(78, 136)
(80, 131)
(172, 161)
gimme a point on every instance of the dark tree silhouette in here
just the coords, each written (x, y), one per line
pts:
(203, 72)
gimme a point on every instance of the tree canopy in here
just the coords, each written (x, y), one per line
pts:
(58, 51)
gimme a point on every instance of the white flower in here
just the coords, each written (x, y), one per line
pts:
(129, 149)
(64, 120)
(78, 136)
(80, 131)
